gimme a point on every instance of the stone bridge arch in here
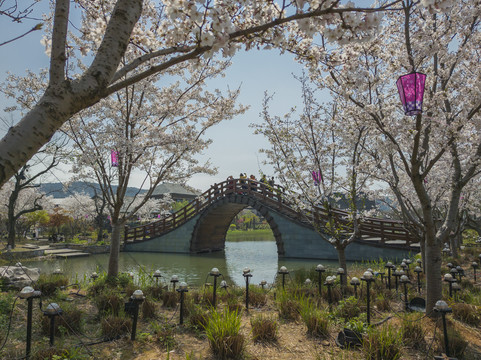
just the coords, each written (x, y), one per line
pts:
(211, 227)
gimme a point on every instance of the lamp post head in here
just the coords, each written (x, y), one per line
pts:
(450, 265)
(246, 271)
(456, 286)
(307, 282)
(367, 276)
(223, 284)
(283, 270)
(214, 272)
(174, 279)
(53, 309)
(340, 271)
(182, 287)
(389, 265)
(403, 265)
(448, 277)
(263, 283)
(419, 261)
(330, 280)
(355, 281)
(138, 295)
(94, 275)
(453, 271)
(474, 264)
(57, 272)
(442, 307)
(131, 274)
(418, 269)
(404, 279)
(320, 268)
(157, 274)
(26, 292)
(408, 261)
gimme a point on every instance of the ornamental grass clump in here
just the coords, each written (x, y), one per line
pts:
(382, 343)
(69, 322)
(288, 305)
(412, 332)
(115, 326)
(110, 301)
(149, 309)
(164, 334)
(169, 299)
(49, 283)
(457, 345)
(316, 321)
(222, 331)
(468, 314)
(257, 296)
(264, 328)
(348, 308)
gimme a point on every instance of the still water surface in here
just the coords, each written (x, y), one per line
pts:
(259, 256)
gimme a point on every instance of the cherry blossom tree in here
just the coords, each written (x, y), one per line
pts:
(316, 154)
(168, 38)
(17, 13)
(429, 158)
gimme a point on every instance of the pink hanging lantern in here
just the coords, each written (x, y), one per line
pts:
(411, 92)
(114, 157)
(317, 177)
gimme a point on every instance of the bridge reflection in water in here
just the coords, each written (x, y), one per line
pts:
(202, 225)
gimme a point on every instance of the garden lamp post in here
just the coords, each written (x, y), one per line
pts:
(443, 308)
(474, 265)
(320, 269)
(460, 272)
(28, 293)
(411, 92)
(137, 298)
(329, 283)
(246, 273)
(389, 266)
(382, 274)
(174, 280)
(449, 279)
(446, 251)
(223, 285)
(341, 273)
(262, 284)
(157, 275)
(52, 310)
(94, 276)
(283, 271)
(405, 281)
(182, 290)
(368, 278)
(456, 288)
(215, 273)
(454, 272)
(397, 274)
(450, 265)
(355, 282)
(420, 263)
(418, 272)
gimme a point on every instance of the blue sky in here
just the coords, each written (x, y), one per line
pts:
(234, 149)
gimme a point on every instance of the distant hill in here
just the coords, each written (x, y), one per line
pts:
(59, 192)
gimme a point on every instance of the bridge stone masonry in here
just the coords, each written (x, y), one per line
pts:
(202, 226)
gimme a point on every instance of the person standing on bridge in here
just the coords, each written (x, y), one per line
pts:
(253, 183)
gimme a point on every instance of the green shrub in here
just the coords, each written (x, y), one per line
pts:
(110, 301)
(382, 343)
(115, 326)
(257, 296)
(382, 302)
(164, 334)
(197, 317)
(6, 302)
(222, 331)
(49, 283)
(264, 328)
(148, 309)
(348, 308)
(466, 313)
(170, 299)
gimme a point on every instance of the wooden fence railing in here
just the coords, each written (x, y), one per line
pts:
(372, 229)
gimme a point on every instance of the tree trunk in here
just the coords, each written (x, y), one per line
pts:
(113, 269)
(433, 274)
(342, 263)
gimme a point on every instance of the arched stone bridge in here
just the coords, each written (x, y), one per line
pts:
(202, 225)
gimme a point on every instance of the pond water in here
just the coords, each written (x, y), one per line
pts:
(260, 256)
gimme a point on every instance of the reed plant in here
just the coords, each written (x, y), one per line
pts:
(412, 332)
(48, 284)
(348, 308)
(288, 305)
(115, 326)
(223, 333)
(316, 321)
(457, 344)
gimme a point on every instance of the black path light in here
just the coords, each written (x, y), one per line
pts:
(446, 251)
(320, 269)
(246, 273)
(355, 282)
(411, 92)
(131, 275)
(157, 275)
(382, 274)
(397, 274)
(405, 281)
(474, 265)
(283, 271)
(443, 308)
(450, 265)
(404, 266)
(329, 283)
(454, 272)
(419, 262)
(341, 272)
(389, 266)
(263, 283)
(182, 290)
(28, 293)
(94, 276)
(223, 285)
(174, 280)
(52, 310)
(456, 289)
(215, 273)
(58, 272)
(449, 279)
(308, 282)
(137, 298)
(368, 278)
(460, 272)
(418, 272)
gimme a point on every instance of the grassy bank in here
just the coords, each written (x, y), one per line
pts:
(250, 235)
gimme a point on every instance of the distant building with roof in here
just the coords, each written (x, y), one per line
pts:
(176, 191)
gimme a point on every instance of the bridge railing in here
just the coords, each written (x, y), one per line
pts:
(274, 196)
